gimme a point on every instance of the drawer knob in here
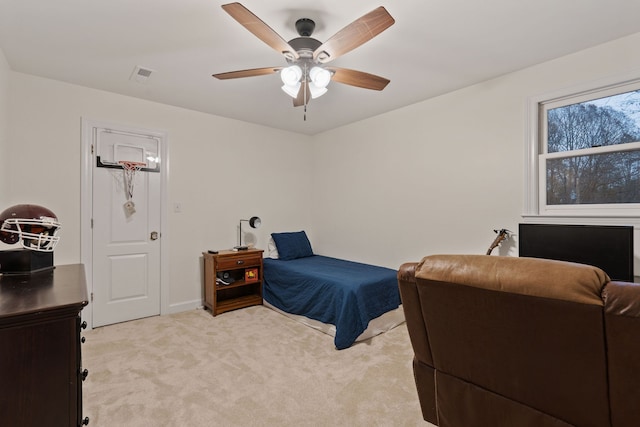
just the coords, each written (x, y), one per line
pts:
(85, 422)
(240, 261)
(82, 340)
(83, 325)
(84, 374)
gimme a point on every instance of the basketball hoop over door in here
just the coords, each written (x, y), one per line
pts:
(132, 154)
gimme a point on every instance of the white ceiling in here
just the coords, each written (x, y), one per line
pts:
(434, 47)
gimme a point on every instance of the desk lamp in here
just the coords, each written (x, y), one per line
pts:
(254, 222)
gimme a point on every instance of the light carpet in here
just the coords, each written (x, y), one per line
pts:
(249, 367)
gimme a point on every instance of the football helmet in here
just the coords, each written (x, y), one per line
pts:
(36, 227)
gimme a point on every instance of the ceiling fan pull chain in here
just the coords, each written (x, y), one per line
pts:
(306, 85)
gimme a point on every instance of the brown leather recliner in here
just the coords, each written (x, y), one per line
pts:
(506, 341)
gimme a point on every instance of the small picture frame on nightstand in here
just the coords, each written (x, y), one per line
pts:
(251, 275)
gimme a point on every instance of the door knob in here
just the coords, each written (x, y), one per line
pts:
(154, 235)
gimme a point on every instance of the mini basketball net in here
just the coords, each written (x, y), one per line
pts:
(129, 170)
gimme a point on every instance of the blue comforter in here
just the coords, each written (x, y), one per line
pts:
(343, 293)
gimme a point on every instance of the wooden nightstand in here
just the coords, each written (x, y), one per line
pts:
(239, 283)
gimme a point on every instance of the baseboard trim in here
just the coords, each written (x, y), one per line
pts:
(184, 306)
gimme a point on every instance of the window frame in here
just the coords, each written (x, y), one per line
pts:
(536, 153)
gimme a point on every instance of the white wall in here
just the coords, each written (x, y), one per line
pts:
(220, 170)
(440, 175)
(4, 120)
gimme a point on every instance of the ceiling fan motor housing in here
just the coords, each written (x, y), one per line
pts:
(305, 27)
(304, 46)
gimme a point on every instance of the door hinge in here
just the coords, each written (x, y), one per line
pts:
(91, 296)
(91, 222)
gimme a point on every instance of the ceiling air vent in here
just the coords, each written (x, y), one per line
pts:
(140, 74)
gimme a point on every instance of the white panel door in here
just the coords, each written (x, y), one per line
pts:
(126, 246)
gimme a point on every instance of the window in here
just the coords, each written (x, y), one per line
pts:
(585, 152)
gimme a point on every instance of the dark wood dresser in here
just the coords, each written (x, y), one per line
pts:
(40, 358)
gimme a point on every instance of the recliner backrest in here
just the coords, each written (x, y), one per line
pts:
(521, 330)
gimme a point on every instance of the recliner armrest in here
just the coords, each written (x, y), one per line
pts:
(423, 361)
(622, 299)
(407, 272)
(622, 325)
(413, 310)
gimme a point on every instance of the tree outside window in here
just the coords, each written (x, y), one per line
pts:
(591, 151)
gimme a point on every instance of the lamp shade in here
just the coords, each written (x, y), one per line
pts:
(320, 76)
(255, 222)
(316, 91)
(292, 90)
(291, 75)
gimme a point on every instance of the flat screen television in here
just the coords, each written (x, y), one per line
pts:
(609, 247)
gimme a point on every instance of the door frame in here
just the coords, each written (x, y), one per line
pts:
(86, 208)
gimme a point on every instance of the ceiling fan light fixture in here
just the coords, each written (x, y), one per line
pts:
(291, 75)
(292, 90)
(316, 91)
(320, 76)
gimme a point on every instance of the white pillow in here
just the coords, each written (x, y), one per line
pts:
(272, 249)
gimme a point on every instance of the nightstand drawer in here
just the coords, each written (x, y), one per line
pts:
(238, 262)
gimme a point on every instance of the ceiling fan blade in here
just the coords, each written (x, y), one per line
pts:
(259, 29)
(299, 101)
(353, 35)
(358, 78)
(247, 73)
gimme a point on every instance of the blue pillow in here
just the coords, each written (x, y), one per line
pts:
(292, 245)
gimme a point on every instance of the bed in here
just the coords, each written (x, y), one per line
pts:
(351, 301)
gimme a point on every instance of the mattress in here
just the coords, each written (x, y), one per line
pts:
(377, 326)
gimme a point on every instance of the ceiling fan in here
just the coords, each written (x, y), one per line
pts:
(307, 76)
